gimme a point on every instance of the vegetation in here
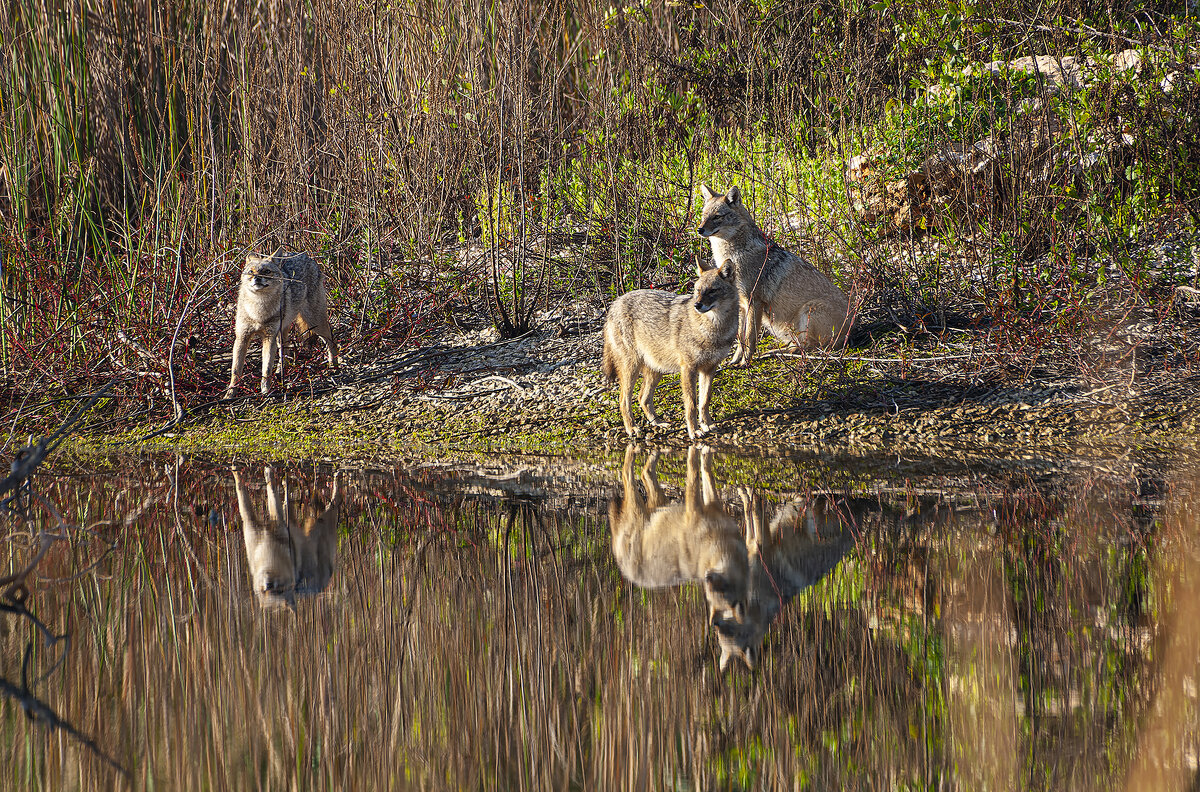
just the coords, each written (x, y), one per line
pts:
(476, 163)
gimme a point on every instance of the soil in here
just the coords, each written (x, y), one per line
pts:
(926, 394)
(956, 385)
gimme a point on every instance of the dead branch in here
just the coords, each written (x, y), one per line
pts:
(37, 710)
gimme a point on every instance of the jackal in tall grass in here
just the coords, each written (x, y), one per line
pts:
(276, 292)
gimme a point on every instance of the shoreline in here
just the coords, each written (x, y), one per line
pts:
(474, 396)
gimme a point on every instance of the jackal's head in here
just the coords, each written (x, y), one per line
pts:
(715, 288)
(740, 641)
(722, 215)
(736, 617)
(272, 568)
(262, 272)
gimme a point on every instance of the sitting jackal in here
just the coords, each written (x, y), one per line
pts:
(804, 541)
(652, 332)
(801, 305)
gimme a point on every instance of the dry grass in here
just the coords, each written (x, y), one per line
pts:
(451, 160)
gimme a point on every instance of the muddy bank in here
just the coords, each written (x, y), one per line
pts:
(1134, 388)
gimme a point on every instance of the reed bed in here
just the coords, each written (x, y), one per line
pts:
(476, 163)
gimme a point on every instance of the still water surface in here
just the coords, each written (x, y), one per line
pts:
(188, 625)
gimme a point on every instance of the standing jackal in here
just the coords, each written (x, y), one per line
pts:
(653, 332)
(277, 291)
(658, 543)
(291, 551)
(802, 306)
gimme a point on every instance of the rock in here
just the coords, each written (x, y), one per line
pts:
(1057, 72)
(968, 179)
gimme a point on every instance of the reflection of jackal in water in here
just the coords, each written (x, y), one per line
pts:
(659, 544)
(288, 554)
(803, 542)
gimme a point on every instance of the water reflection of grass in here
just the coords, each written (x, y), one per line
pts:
(476, 644)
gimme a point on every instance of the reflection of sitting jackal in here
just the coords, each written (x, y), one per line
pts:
(288, 555)
(659, 544)
(803, 543)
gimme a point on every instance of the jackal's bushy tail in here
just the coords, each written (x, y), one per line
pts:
(608, 365)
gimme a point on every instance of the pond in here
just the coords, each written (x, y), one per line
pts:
(662, 622)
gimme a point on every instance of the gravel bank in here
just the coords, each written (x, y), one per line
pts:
(926, 396)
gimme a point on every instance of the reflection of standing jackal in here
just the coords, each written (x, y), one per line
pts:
(802, 306)
(287, 555)
(659, 544)
(803, 542)
(277, 291)
(652, 332)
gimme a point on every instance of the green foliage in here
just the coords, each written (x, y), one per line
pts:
(140, 158)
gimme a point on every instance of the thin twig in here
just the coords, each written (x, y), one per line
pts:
(32, 455)
(38, 710)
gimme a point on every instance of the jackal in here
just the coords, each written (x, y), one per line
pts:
(653, 332)
(805, 540)
(275, 291)
(659, 544)
(801, 305)
(293, 550)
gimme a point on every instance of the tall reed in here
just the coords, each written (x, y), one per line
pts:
(504, 156)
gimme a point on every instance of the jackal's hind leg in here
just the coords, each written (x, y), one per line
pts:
(318, 323)
(650, 379)
(654, 492)
(749, 343)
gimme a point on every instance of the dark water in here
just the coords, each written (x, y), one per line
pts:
(674, 626)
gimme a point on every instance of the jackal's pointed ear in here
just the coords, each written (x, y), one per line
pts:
(278, 252)
(733, 196)
(704, 265)
(727, 270)
(707, 193)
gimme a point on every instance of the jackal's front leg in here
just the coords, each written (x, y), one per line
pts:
(240, 339)
(753, 317)
(275, 505)
(741, 352)
(687, 383)
(705, 383)
(245, 505)
(271, 351)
